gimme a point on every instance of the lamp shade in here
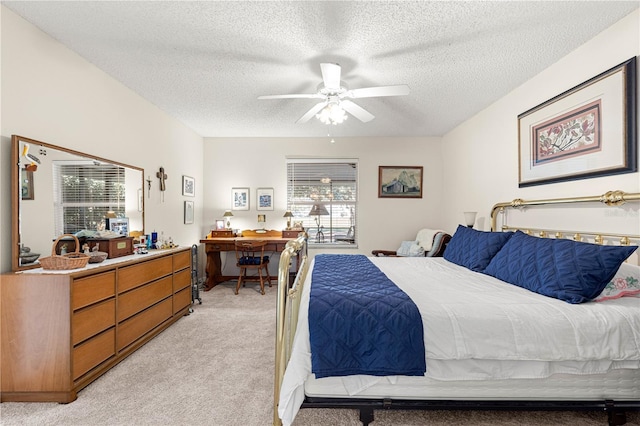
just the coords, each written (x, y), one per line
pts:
(470, 218)
(227, 213)
(287, 214)
(318, 210)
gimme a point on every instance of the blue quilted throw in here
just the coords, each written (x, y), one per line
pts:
(360, 322)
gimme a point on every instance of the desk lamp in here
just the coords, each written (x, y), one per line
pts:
(227, 215)
(288, 215)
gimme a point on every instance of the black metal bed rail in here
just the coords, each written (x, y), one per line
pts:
(616, 410)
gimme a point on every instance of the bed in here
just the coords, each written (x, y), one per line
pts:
(487, 343)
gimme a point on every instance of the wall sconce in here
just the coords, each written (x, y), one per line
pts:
(288, 215)
(470, 218)
(227, 216)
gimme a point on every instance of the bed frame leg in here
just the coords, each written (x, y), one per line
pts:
(617, 418)
(366, 415)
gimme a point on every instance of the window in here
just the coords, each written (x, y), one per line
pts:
(84, 193)
(323, 195)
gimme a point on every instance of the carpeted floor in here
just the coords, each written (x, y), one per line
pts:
(215, 367)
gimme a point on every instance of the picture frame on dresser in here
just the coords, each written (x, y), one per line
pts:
(588, 131)
(118, 225)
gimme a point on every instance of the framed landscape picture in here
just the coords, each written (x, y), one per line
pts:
(400, 181)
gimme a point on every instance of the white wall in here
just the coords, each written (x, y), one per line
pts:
(481, 155)
(261, 162)
(51, 94)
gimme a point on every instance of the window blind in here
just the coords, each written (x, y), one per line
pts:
(322, 194)
(84, 193)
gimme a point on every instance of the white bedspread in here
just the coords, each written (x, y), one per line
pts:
(493, 330)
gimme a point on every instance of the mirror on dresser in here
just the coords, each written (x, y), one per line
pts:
(58, 191)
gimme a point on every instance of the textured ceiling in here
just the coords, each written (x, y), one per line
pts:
(205, 63)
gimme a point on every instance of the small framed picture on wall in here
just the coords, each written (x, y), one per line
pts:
(188, 186)
(188, 212)
(240, 198)
(264, 199)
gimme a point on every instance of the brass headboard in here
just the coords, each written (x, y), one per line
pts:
(610, 198)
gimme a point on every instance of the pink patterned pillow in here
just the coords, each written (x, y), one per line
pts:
(626, 282)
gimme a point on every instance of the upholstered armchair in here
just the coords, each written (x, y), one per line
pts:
(428, 243)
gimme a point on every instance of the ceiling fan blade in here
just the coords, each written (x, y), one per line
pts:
(331, 75)
(312, 112)
(371, 92)
(357, 111)
(293, 96)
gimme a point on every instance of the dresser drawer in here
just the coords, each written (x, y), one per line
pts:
(93, 320)
(137, 326)
(182, 260)
(181, 300)
(181, 280)
(141, 298)
(92, 352)
(133, 276)
(86, 291)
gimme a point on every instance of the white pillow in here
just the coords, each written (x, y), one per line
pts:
(410, 249)
(626, 282)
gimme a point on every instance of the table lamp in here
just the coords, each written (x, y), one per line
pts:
(288, 215)
(227, 215)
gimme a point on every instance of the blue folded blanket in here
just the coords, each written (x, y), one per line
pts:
(360, 322)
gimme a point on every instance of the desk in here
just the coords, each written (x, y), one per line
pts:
(213, 247)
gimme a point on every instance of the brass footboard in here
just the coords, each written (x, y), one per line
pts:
(287, 310)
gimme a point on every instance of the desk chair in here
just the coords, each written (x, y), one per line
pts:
(250, 255)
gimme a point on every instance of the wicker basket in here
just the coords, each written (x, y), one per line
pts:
(72, 260)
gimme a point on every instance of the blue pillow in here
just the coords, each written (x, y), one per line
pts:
(568, 270)
(474, 249)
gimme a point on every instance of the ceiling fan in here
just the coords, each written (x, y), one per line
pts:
(335, 97)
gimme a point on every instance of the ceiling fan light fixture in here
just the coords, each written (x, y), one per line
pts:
(332, 114)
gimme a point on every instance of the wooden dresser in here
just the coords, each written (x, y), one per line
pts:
(62, 330)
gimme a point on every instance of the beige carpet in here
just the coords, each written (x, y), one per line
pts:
(215, 367)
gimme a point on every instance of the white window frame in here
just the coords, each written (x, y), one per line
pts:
(330, 185)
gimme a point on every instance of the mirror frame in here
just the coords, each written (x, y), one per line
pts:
(16, 193)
